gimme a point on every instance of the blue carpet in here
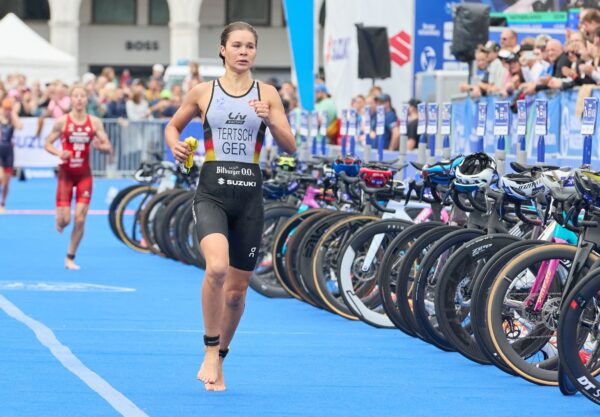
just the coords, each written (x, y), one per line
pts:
(288, 359)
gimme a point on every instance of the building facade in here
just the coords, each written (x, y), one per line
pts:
(135, 34)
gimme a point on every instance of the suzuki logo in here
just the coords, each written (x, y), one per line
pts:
(221, 181)
(400, 48)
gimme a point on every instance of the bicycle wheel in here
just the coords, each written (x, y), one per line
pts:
(408, 269)
(323, 266)
(166, 227)
(163, 219)
(579, 336)
(127, 217)
(509, 315)
(148, 217)
(280, 245)
(186, 234)
(453, 292)
(292, 265)
(426, 280)
(388, 273)
(480, 295)
(305, 249)
(361, 258)
(112, 215)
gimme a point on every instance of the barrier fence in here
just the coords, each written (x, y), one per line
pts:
(137, 141)
(563, 142)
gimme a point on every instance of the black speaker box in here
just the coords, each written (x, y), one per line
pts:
(471, 28)
(373, 52)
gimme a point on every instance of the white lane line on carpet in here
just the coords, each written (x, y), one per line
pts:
(64, 355)
(52, 212)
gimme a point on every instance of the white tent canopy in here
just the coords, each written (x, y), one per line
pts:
(26, 52)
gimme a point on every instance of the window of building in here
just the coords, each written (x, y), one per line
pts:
(257, 12)
(26, 9)
(114, 12)
(159, 12)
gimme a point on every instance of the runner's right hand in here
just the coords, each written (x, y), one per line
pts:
(181, 151)
(65, 155)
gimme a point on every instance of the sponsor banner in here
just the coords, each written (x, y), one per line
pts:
(521, 118)
(544, 20)
(571, 139)
(552, 124)
(588, 119)
(501, 118)
(402, 119)
(340, 47)
(541, 117)
(562, 141)
(432, 118)
(29, 147)
(446, 117)
(422, 118)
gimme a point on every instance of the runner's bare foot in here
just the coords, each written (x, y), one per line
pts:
(60, 227)
(2, 209)
(70, 264)
(209, 371)
(219, 385)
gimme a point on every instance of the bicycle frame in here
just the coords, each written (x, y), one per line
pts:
(547, 271)
(399, 213)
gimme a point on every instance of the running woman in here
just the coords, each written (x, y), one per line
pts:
(77, 130)
(228, 207)
(9, 121)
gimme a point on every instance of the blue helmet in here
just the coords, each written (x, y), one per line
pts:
(441, 172)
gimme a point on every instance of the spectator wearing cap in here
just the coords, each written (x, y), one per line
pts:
(551, 78)
(391, 133)
(515, 77)
(326, 104)
(94, 107)
(496, 71)
(413, 124)
(157, 72)
(509, 39)
(532, 64)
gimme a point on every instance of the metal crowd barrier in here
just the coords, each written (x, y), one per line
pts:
(133, 142)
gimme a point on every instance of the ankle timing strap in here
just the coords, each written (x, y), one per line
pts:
(223, 353)
(211, 340)
(71, 257)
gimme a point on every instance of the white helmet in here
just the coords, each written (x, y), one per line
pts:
(521, 187)
(475, 171)
(559, 182)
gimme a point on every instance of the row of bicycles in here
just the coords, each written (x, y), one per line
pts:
(500, 268)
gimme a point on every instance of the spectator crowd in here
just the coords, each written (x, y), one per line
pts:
(512, 68)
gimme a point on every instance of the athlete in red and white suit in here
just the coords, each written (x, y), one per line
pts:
(77, 131)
